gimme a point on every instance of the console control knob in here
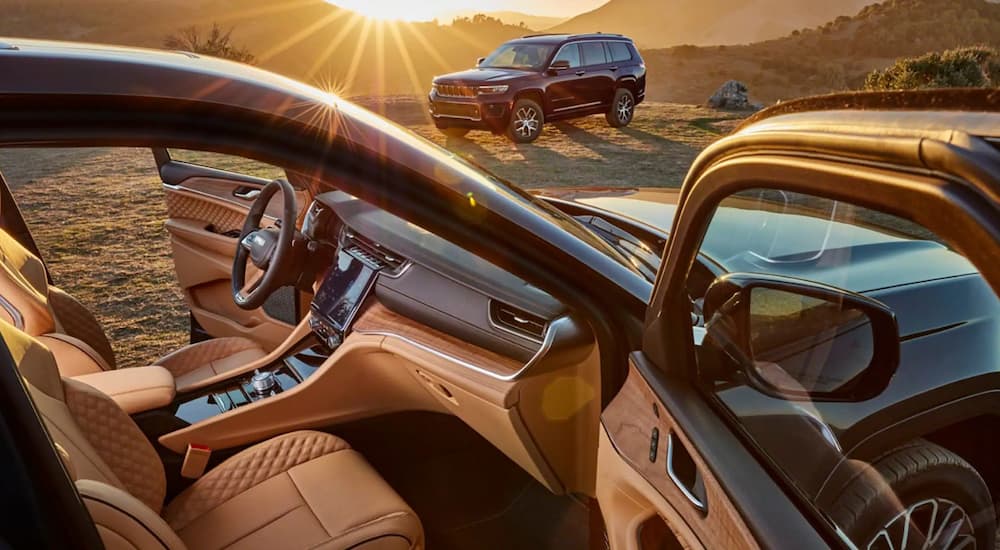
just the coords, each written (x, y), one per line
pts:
(263, 382)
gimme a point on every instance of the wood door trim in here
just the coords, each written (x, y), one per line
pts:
(629, 420)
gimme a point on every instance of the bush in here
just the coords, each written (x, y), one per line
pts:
(976, 67)
(217, 44)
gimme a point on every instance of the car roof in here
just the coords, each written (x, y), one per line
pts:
(559, 38)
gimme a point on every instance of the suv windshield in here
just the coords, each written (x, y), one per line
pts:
(518, 56)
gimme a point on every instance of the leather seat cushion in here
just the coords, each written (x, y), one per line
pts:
(203, 360)
(307, 487)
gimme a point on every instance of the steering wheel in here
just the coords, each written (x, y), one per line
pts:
(269, 249)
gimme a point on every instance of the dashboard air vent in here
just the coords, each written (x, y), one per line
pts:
(517, 320)
(372, 253)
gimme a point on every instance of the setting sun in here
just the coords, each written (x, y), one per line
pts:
(406, 10)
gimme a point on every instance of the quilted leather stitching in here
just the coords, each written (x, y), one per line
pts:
(195, 356)
(118, 441)
(77, 321)
(247, 469)
(224, 219)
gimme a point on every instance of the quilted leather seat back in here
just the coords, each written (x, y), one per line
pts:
(24, 288)
(99, 440)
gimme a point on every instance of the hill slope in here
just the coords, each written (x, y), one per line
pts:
(835, 56)
(311, 40)
(660, 23)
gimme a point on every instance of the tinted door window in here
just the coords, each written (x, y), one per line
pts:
(571, 53)
(779, 359)
(593, 53)
(619, 51)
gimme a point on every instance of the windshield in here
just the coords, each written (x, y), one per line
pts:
(518, 56)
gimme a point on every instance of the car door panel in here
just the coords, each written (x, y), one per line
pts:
(638, 426)
(206, 210)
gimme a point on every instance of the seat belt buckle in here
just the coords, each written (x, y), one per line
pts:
(195, 460)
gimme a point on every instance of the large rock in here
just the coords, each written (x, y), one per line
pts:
(733, 95)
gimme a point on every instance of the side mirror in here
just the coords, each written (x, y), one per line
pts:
(480, 61)
(559, 65)
(800, 340)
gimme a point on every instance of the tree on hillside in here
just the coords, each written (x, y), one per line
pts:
(217, 43)
(976, 67)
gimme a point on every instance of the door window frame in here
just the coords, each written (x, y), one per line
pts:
(958, 211)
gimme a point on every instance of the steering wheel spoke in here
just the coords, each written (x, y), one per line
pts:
(269, 249)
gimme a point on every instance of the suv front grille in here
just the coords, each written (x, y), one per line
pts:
(452, 90)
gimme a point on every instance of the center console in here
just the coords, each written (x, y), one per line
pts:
(340, 296)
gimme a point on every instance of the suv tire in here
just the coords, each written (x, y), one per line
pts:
(622, 108)
(526, 120)
(919, 477)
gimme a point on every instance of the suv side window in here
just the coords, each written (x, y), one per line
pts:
(593, 53)
(619, 51)
(571, 53)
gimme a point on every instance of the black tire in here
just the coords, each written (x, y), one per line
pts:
(453, 131)
(622, 109)
(920, 475)
(520, 128)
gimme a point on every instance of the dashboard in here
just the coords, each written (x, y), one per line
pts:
(423, 278)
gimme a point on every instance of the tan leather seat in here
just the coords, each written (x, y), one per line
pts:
(76, 337)
(304, 489)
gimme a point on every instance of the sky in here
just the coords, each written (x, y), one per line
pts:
(425, 10)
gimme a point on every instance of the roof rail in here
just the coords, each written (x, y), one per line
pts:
(597, 34)
(543, 34)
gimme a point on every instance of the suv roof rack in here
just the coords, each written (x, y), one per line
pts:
(544, 34)
(598, 33)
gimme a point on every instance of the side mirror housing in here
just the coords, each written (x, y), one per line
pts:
(559, 65)
(480, 61)
(800, 340)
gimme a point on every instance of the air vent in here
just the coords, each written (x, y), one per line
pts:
(372, 253)
(516, 320)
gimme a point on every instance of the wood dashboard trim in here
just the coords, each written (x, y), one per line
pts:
(629, 420)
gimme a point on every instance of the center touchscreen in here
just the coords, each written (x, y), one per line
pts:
(343, 290)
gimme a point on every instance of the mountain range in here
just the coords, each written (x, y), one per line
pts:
(660, 23)
(317, 42)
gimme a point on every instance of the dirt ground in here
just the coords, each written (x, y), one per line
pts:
(97, 214)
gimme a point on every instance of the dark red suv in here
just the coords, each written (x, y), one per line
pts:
(534, 79)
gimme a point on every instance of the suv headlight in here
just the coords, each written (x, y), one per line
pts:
(490, 90)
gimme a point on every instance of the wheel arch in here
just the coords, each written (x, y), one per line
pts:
(960, 425)
(534, 94)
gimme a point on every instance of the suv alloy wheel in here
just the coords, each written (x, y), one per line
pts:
(526, 121)
(622, 109)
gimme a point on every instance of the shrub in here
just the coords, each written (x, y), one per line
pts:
(217, 44)
(977, 67)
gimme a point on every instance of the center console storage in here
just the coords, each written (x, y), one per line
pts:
(137, 389)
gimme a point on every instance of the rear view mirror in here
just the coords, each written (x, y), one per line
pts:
(800, 340)
(559, 65)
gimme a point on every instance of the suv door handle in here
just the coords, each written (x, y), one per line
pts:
(581, 73)
(615, 68)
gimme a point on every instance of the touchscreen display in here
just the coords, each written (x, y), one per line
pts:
(344, 288)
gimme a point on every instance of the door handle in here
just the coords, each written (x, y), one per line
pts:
(615, 68)
(246, 193)
(581, 73)
(684, 473)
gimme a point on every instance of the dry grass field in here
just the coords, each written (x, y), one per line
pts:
(97, 214)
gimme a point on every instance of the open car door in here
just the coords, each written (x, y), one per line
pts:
(208, 197)
(754, 414)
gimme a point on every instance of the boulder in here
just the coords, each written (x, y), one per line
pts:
(733, 95)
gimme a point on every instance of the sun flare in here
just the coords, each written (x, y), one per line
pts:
(394, 10)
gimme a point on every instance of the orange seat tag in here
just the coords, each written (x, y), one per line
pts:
(195, 461)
